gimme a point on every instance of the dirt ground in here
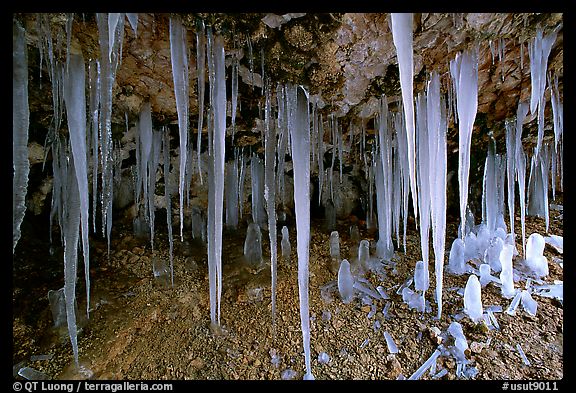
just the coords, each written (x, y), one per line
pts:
(142, 328)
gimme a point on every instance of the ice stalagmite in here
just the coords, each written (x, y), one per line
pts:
(20, 123)
(402, 36)
(472, 299)
(179, 58)
(300, 136)
(166, 151)
(200, 68)
(464, 71)
(437, 128)
(75, 100)
(270, 190)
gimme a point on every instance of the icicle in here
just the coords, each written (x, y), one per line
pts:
(437, 129)
(538, 51)
(152, 166)
(257, 177)
(166, 150)
(520, 166)
(423, 180)
(384, 184)
(510, 170)
(234, 93)
(145, 147)
(340, 148)
(113, 19)
(241, 183)
(20, 124)
(320, 158)
(231, 189)
(133, 20)
(557, 114)
(402, 36)
(521, 55)
(75, 100)
(94, 71)
(300, 136)
(270, 191)
(70, 228)
(200, 67)
(178, 51)
(464, 70)
(250, 60)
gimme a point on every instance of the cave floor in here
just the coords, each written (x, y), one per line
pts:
(142, 328)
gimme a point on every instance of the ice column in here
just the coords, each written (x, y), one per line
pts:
(300, 137)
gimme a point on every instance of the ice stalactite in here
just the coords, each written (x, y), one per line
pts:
(437, 128)
(270, 191)
(201, 76)
(234, 105)
(538, 51)
(423, 180)
(340, 148)
(557, 112)
(241, 183)
(299, 125)
(167, 186)
(153, 162)
(282, 141)
(75, 100)
(489, 194)
(403, 163)
(70, 228)
(402, 36)
(520, 166)
(179, 59)
(257, 177)
(20, 124)
(231, 189)
(464, 71)
(133, 20)
(510, 170)
(384, 184)
(145, 148)
(109, 58)
(320, 157)
(94, 71)
(396, 190)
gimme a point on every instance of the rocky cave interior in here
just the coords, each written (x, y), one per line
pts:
(183, 285)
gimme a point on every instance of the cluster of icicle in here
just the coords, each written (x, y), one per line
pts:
(410, 145)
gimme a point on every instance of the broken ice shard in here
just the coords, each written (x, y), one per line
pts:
(460, 342)
(413, 299)
(427, 364)
(285, 245)
(32, 374)
(345, 282)
(456, 262)
(555, 241)
(506, 275)
(511, 310)
(473, 299)
(392, 348)
(253, 245)
(522, 355)
(528, 303)
(535, 259)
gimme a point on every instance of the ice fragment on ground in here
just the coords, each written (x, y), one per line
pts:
(555, 241)
(522, 355)
(413, 299)
(288, 374)
(382, 292)
(426, 365)
(323, 358)
(364, 343)
(528, 303)
(32, 374)
(511, 310)
(392, 348)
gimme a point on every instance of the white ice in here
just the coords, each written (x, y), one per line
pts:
(473, 299)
